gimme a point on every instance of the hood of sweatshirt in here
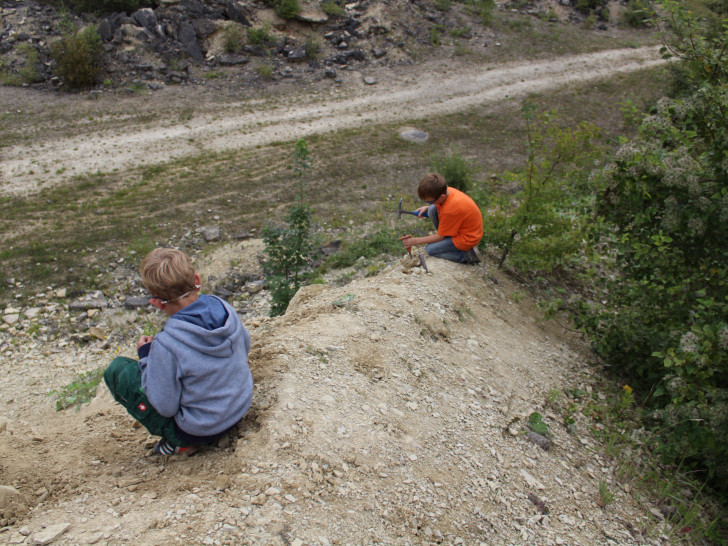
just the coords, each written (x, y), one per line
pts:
(204, 326)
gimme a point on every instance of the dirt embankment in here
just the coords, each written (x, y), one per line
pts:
(391, 410)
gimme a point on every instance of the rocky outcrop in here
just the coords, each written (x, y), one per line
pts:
(180, 40)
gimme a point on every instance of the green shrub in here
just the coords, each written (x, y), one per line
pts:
(542, 225)
(27, 73)
(457, 170)
(637, 14)
(332, 8)
(660, 319)
(312, 46)
(233, 37)
(260, 35)
(287, 9)
(482, 9)
(78, 57)
(443, 5)
(381, 242)
(289, 247)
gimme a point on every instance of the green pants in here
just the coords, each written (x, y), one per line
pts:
(125, 383)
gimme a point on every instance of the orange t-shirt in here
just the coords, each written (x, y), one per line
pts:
(460, 218)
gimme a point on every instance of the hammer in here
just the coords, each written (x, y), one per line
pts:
(400, 211)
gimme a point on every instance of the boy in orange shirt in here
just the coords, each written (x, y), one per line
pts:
(456, 217)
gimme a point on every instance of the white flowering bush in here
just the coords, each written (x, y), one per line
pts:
(664, 203)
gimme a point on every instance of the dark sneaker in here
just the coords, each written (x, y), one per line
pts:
(473, 255)
(163, 447)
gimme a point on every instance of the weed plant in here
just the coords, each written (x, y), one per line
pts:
(77, 57)
(79, 391)
(458, 171)
(287, 9)
(382, 242)
(233, 37)
(332, 8)
(260, 35)
(312, 46)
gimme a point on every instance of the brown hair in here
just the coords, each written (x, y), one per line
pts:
(432, 187)
(167, 273)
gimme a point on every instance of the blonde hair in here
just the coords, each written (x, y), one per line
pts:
(167, 273)
(431, 187)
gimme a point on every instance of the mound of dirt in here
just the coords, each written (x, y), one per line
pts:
(391, 410)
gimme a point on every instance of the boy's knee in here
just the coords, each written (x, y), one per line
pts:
(113, 373)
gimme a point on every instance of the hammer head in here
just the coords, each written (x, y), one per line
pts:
(399, 209)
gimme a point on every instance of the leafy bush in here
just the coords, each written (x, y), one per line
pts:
(260, 35)
(287, 9)
(78, 57)
(383, 241)
(457, 170)
(541, 226)
(481, 8)
(332, 8)
(28, 71)
(289, 248)
(233, 37)
(637, 14)
(665, 204)
(312, 46)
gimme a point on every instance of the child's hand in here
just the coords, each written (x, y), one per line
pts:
(407, 241)
(143, 340)
(420, 211)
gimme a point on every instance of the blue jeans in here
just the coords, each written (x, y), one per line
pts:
(444, 249)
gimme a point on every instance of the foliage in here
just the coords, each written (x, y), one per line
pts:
(106, 6)
(443, 5)
(606, 497)
(79, 391)
(233, 37)
(541, 226)
(481, 8)
(312, 46)
(536, 424)
(287, 9)
(665, 207)
(289, 248)
(638, 14)
(260, 35)
(587, 6)
(383, 241)
(457, 170)
(27, 73)
(78, 57)
(332, 8)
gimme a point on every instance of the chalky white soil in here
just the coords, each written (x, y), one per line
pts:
(387, 411)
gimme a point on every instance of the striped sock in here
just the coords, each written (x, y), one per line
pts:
(163, 447)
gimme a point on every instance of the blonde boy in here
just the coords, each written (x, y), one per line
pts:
(192, 383)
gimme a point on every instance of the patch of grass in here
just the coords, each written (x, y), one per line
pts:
(312, 46)
(260, 35)
(332, 8)
(382, 242)
(79, 391)
(606, 497)
(233, 37)
(264, 70)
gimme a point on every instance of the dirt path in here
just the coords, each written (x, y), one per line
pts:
(54, 155)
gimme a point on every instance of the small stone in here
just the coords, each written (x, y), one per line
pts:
(61, 293)
(370, 80)
(414, 135)
(50, 533)
(11, 319)
(211, 233)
